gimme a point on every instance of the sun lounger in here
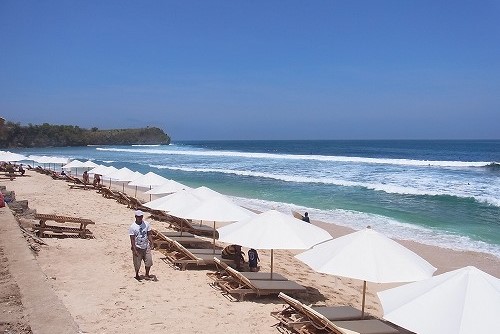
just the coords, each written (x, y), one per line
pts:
(305, 319)
(83, 186)
(165, 240)
(41, 228)
(108, 193)
(222, 274)
(74, 179)
(181, 224)
(239, 285)
(180, 256)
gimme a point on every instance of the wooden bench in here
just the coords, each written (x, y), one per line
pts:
(42, 227)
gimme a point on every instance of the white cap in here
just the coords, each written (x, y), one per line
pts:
(139, 213)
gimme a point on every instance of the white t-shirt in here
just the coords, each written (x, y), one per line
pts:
(141, 234)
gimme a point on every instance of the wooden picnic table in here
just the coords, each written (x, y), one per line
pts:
(82, 230)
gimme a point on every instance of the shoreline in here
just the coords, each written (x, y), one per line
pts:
(94, 278)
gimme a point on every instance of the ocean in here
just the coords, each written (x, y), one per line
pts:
(444, 193)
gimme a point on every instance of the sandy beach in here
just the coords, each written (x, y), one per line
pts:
(93, 278)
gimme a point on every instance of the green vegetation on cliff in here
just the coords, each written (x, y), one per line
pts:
(15, 135)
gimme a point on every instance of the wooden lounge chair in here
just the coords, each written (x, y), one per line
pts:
(304, 319)
(74, 179)
(239, 285)
(222, 274)
(109, 193)
(62, 230)
(180, 257)
(181, 224)
(82, 186)
(165, 240)
(186, 225)
(135, 204)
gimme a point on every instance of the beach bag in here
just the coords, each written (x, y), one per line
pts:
(252, 257)
(2, 201)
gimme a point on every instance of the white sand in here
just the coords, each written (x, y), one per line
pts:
(94, 278)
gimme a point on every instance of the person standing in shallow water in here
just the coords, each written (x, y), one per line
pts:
(306, 218)
(141, 242)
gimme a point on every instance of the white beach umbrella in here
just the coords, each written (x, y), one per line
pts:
(368, 256)
(123, 175)
(174, 201)
(273, 230)
(9, 156)
(120, 174)
(73, 164)
(463, 301)
(216, 209)
(205, 192)
(89, 164)
(168, 187)
(148, 180)
(100, 170)
(107, 171)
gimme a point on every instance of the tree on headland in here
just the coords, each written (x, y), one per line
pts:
(16, 135)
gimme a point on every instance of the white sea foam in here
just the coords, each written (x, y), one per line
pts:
(145, 145)
(387, 226)
(342, 159)
(388, 188)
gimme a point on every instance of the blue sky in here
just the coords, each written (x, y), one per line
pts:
(256, 69)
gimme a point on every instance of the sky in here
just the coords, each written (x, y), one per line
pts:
(209, 70)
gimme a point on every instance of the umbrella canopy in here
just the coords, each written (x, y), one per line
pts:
(74, 164)
(123, 174)
(89, 164)
(369, 256)
(273, 230)
(148, 180)
(168, 187)
(205, 192)
(101, 170)
(219, 209)
(9, 156)
(463, 301)
(174, 201)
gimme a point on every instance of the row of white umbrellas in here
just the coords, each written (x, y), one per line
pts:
(463, 301)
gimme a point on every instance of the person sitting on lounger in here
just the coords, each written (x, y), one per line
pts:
(21, 169)
(234, 252)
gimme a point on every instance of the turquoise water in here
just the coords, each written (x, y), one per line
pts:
(437, 192)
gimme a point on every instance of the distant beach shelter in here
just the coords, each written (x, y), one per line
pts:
(168, 187)
(7, 156)
(463, 301)
(368, 256)
(148, 180)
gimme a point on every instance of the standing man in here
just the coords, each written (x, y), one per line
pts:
(141, 242)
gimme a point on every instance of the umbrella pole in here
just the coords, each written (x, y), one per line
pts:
(272, 255)
(150, 194)
(135, 192)
(213, 235)
(363, 302)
